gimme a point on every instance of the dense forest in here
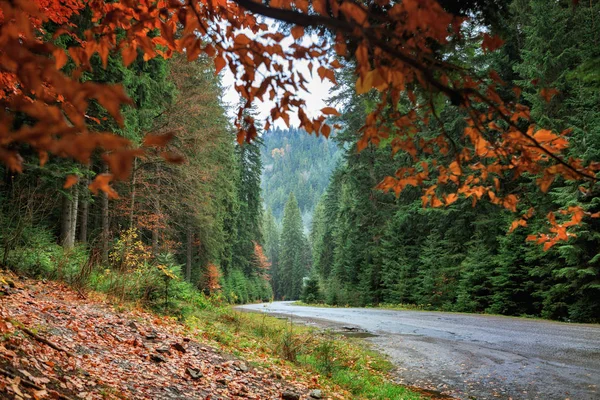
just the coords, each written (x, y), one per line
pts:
(125, 100)
(370, 247)
(453, 166)
(194, 222)
(295, 162)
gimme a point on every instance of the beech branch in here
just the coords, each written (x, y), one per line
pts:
(456, 96)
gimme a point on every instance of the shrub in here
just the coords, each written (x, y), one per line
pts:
(310, 292)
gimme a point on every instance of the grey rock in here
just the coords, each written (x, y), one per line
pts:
(163, 350)
(157, 358)
(316, 394)
(290, 396)
(194, 373)
(179, 347)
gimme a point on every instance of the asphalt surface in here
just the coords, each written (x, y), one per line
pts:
(472, 356)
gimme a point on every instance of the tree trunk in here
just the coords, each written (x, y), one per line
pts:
(155, 232)
(74, 214)
(67, 215)
(188, 260)
(132, 205)
(105, 222)
(85, 210)
(155, 240)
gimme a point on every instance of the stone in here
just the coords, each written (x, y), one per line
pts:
(194, 373)
(290, 396)
(163, 350)
(179, 347)
(157, 358)
(133, 326)
(151, 336)
(316, 394)
(222, 381)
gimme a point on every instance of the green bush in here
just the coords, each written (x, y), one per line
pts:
(37, 254)
(239, 289)
(311, 293)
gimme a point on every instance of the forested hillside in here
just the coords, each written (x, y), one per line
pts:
(295, 162)
(371, 247)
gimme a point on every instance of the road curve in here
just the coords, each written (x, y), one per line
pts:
(473, 356)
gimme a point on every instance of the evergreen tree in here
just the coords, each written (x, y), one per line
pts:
(295, 256)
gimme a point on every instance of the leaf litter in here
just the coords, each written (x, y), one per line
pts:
(55, 344)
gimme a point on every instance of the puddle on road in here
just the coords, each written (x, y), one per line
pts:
(358, 335)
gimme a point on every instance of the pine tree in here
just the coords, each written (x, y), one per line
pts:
(272, 248)
(295, 256)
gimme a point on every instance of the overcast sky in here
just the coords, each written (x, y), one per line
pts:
(315, 99)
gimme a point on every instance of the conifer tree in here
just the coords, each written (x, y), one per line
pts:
(295, 257)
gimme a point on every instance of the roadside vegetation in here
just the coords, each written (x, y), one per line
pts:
(338, 364)
(338, 361)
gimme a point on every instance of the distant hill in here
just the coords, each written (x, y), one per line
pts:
(296, 162)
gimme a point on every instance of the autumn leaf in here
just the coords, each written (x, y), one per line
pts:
(491, 43)
(70, 181)
(173, 157)
(329, 111)
(61, 58)
(129, 54)
(102, 183)
(355, 12)
(220, 63)
(548, 93)
(158, 140)
(297, 32)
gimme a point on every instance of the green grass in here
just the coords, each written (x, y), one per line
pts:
(340, 362)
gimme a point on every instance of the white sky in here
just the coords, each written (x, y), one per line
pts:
(315, 98)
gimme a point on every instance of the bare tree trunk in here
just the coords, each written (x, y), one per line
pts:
(74, 214)
(105, 222)
(188, 260)
(67, 215)
(157, 211)
(155, 240)
(85, 210)
(132, 206)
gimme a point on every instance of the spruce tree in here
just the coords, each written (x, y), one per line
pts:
(294, 256)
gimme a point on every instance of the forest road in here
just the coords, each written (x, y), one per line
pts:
(472, 356)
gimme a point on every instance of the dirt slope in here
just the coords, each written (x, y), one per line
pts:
(56, 344)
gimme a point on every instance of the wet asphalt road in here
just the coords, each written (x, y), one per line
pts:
(473, 356)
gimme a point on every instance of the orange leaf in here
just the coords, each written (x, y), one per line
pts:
(173, 158)
(455, 168)
(355, 12)
(451, 198)
(129, 54)
(70, 181)
(548, 94)
(491, 43)
(320, 6)
(545, 182)
(60, 58)
(158, 140)
(102, 182)
(297, 32)
(220, 63)
(242, 40)
(516, 223)
(329, 111)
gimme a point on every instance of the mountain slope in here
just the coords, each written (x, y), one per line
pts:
(296, 162)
